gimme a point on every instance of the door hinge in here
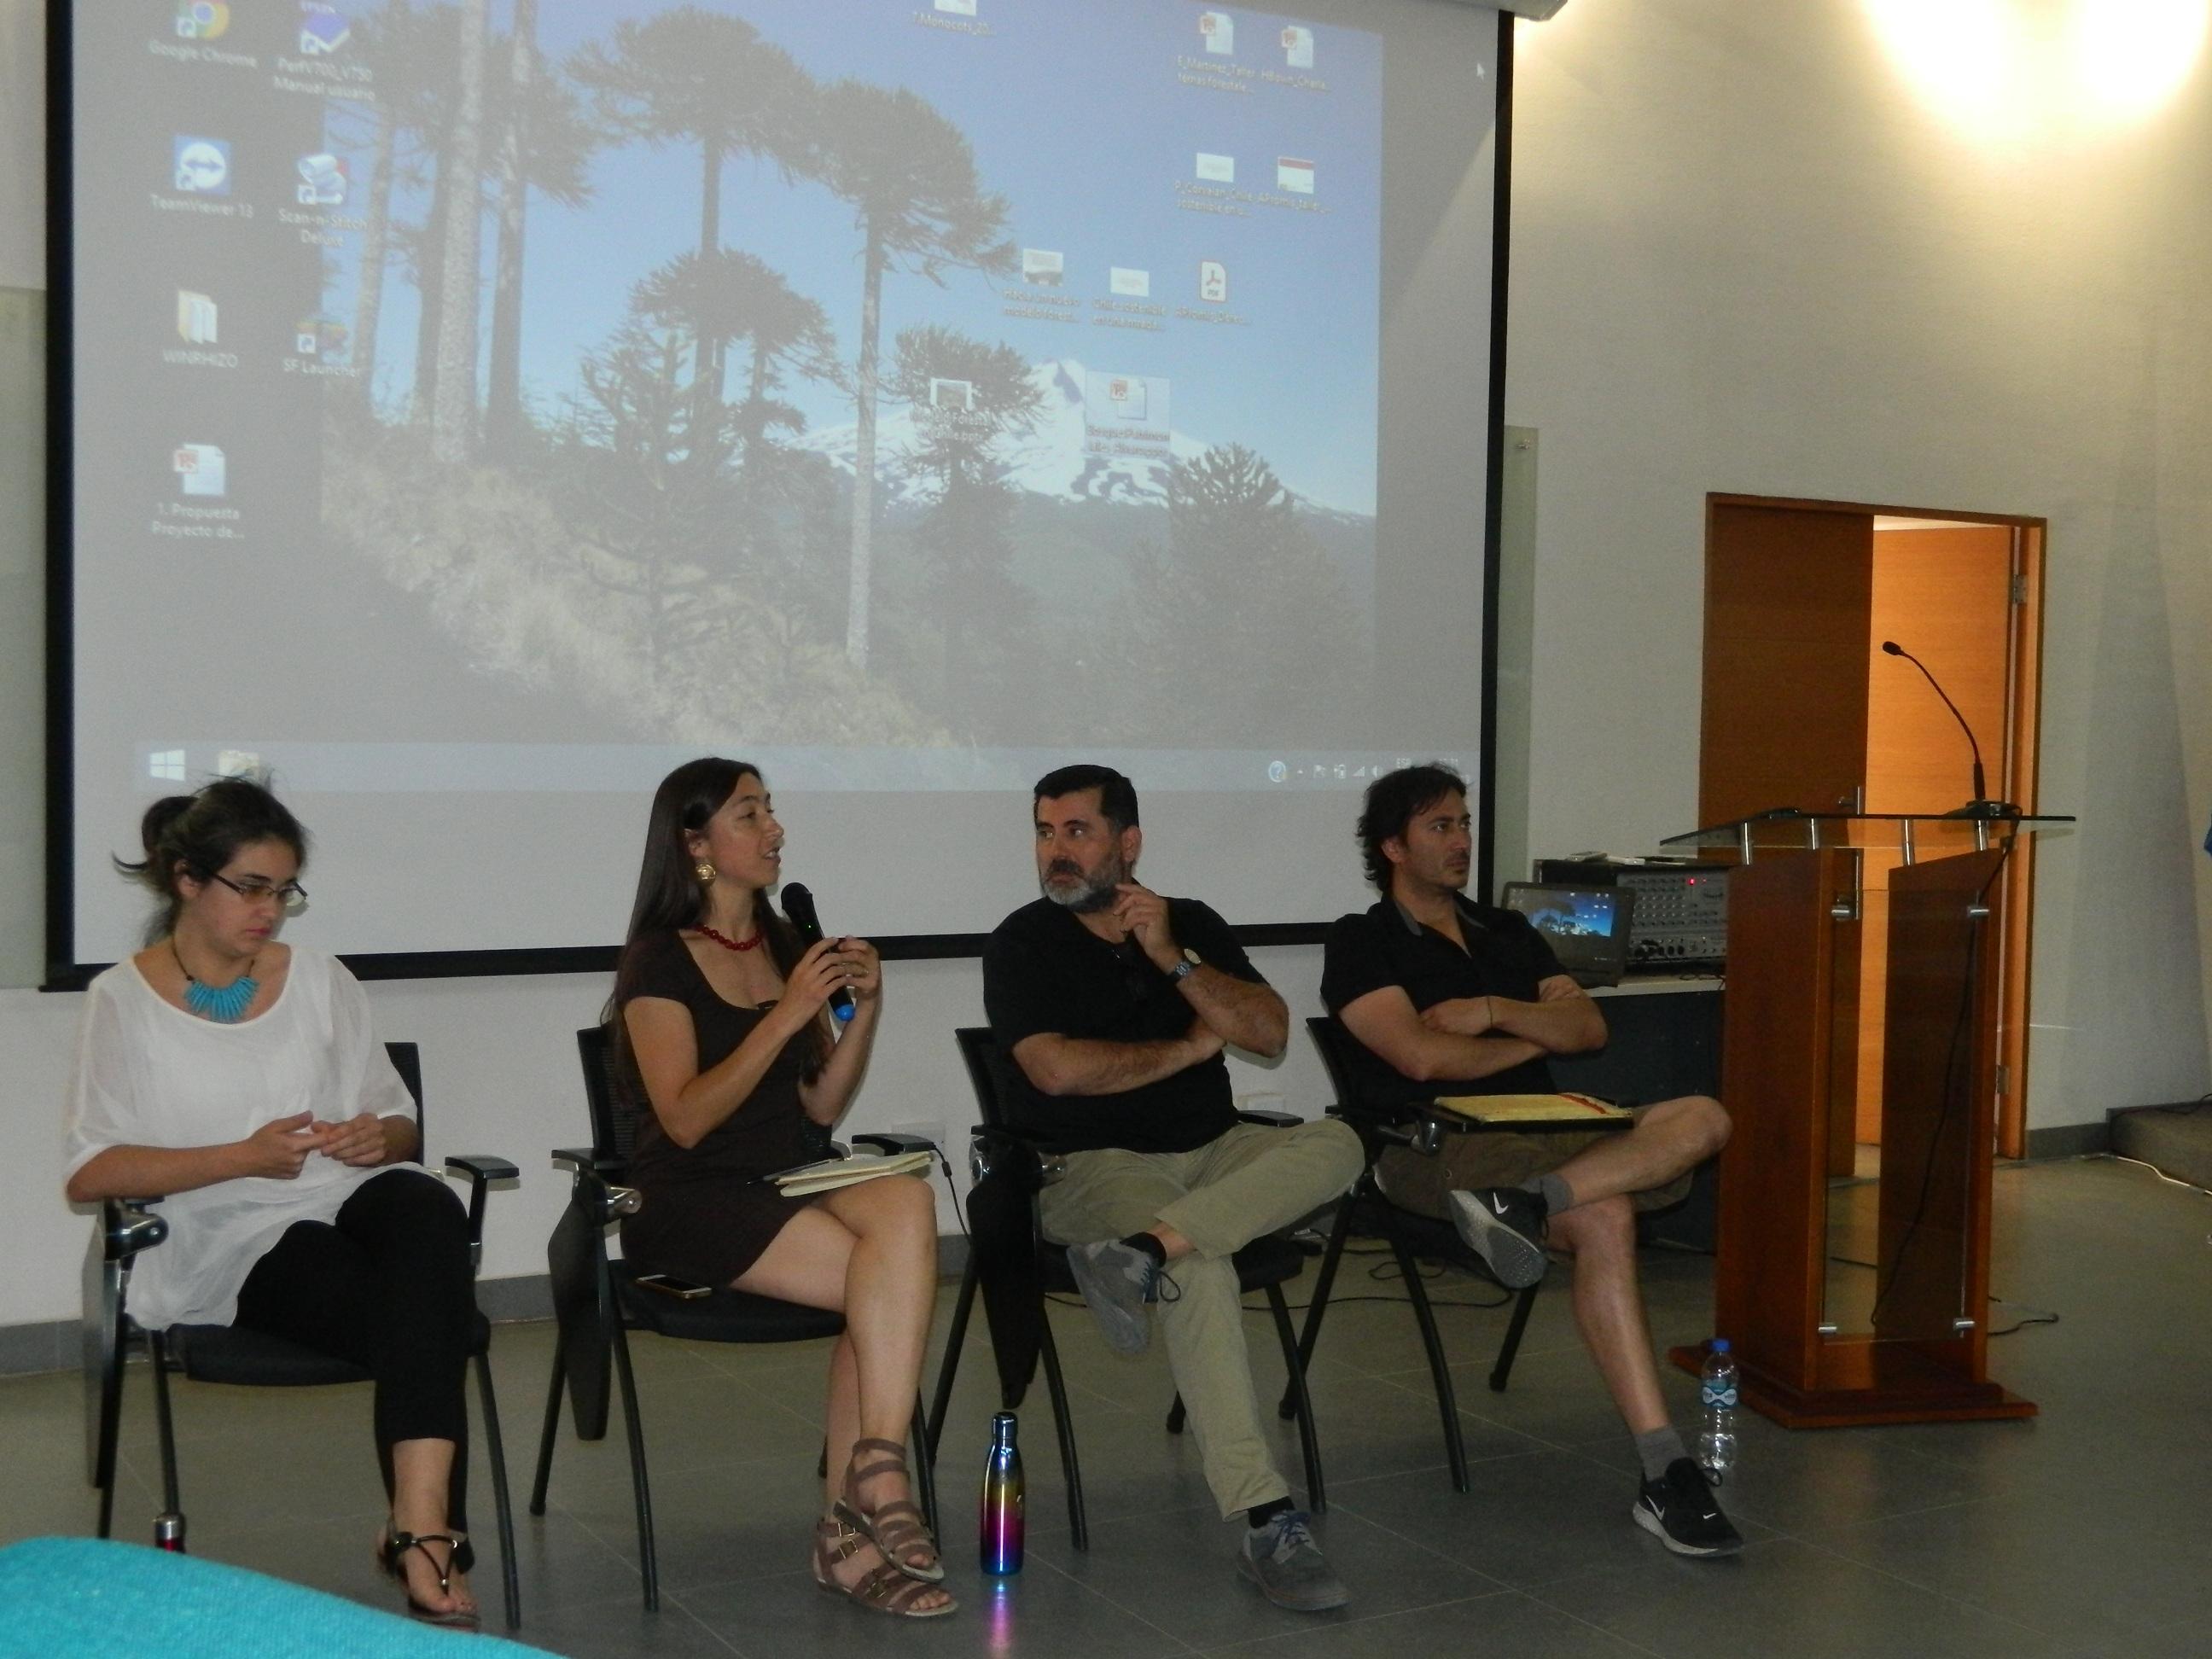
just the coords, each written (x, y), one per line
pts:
(2019, 590)
(2004, 1079)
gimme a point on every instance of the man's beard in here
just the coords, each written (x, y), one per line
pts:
(1087, 896)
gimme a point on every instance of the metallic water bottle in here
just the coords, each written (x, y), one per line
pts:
(1003, 1528)
(169, 1532)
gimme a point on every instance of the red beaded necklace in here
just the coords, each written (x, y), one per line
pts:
(726, 942)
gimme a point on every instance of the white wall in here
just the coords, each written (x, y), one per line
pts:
(1748, 257)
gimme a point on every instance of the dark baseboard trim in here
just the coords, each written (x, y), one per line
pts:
(52, 1344)
(2071, 1140)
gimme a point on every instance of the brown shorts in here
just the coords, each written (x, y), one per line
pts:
(1496, 1158)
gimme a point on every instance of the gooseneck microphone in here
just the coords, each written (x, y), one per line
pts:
(1981, 806)
(798, 905)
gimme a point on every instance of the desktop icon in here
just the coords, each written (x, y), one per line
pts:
(1217, 170)
(1277, 771)
(1111, 400)
(322, 31)
(952, 394)
(1297, 47)
(199, 469)
(201, 19)
(322, 181)
(200, 166)
(321, 336)
(957, 8)
(196, 317)
(1214, 282)
(1295, 175)
(1219, 29)
(166, 765)
(1135, 284)
(1043, 267)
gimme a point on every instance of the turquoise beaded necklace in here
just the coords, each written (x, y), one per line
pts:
(226, 1005)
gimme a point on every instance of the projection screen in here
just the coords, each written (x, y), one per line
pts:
(478, 408)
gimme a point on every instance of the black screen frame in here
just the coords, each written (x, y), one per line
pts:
(64, 973)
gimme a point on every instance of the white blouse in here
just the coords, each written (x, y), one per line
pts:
(149, 1074)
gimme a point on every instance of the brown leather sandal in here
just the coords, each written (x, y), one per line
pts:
(897, 1528)
(882, 1589)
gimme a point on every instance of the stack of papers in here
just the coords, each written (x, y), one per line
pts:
(834, 1172)
(1534, 1109)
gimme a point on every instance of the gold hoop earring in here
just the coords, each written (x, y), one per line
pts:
(704, 872)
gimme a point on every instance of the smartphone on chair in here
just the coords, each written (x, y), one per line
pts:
(683, 1289)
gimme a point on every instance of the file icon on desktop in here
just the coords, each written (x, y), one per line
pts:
(1219, 30)
(1217, 170)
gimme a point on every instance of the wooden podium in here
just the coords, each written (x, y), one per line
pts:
(1823, 1339)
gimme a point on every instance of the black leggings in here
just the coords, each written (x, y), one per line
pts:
(386, 1285)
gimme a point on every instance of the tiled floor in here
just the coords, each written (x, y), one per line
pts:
(2088, 1531)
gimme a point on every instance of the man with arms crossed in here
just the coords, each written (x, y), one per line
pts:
(1448, 997)
(1114, 1004)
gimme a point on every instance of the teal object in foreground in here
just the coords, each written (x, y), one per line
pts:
(66, 1596)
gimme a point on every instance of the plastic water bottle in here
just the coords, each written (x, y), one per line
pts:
(1717, 1398)
(1003, 1523)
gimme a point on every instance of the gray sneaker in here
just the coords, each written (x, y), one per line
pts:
(1118, 1281)
(1282, 1558)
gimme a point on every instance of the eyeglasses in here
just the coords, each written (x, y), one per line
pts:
(291, 895)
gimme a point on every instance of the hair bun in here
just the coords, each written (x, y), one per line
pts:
(160, 816)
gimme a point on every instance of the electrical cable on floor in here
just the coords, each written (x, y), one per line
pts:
(2171, 1180)
(2030, 1316)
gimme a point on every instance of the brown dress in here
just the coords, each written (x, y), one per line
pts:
(708, 1213)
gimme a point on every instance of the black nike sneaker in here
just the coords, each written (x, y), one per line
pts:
(1679, 1510)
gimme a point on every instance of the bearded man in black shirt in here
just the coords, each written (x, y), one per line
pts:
(1113, 1005)
(1447, 997)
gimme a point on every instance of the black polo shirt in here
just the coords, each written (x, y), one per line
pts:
(1044, 971)
(1505, 956)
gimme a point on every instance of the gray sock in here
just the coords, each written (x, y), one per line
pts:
(1556, 1193)
(1658, 1449)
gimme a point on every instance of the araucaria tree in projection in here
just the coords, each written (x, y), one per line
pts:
(1222, 613)
(453, 411)
(689, 76)
(644, 487)
(910, 177)
(968, 396)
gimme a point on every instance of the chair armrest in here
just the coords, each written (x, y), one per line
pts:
(127, 1228)
(582, 1159)
(1271, 1119)
(482, 1166)
(482, 1169)
(895, 1144)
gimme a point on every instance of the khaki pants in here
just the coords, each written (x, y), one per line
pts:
(1249, 1180)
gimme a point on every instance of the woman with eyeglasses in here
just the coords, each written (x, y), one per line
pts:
(725, 1042)
(236, 1077)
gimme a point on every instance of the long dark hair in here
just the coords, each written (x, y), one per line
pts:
(670, 897)
(197, 833)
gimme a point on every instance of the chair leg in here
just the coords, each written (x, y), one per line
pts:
(1511, 1345)
(1439, 1373)
(1079, 1524)
(110, 1425)
(496, 1450)
(949, 1367)
(1324, 1282)
(1178, 1415)
(157, 1351)
(924, 1466)
(1309, 1441)
(552, 1422)
(649, 1563)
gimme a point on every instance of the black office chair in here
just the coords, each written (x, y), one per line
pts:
(597, 1302)
(1411, 1238)
(1016, 1267)
(225, 1353)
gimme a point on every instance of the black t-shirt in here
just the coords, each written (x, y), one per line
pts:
(1505, 956)
(1044, 971)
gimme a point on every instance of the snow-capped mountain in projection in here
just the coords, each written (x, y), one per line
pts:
(1054, 459)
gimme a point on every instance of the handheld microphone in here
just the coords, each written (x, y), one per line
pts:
(1981, 806)
(798, 908)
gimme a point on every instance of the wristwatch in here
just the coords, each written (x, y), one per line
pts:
(1183, 970)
